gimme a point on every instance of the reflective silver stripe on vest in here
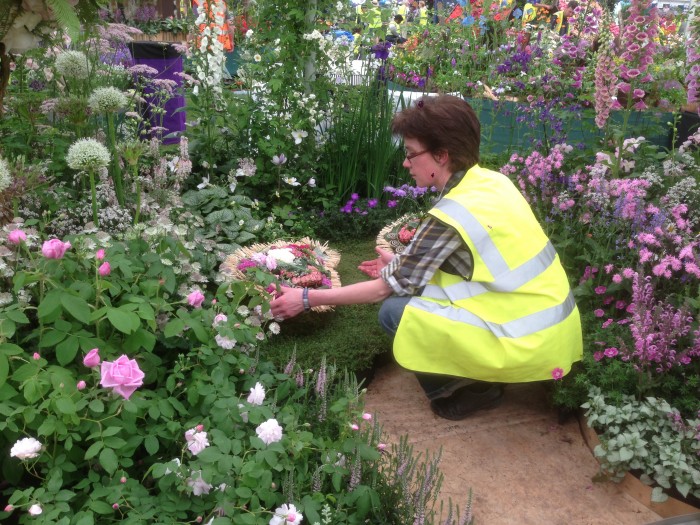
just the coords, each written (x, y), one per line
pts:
(477, 233)
(521, 327)
(507, 282)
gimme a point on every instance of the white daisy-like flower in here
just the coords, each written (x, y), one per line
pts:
(257, 394)
(72, 64)
(299, 135)
(257, 57)
(87, 155)
(107, 100)
(311, 183)
(278, 160)
(292, 181)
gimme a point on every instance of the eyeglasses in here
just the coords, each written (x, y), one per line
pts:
(411, 156)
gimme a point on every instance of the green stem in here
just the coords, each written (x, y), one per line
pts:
(93, 194)
(137, 213)
(116, 168)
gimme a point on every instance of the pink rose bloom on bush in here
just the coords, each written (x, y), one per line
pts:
(196, 299)
(16, 236)
(123, 376)
(92, 358)
(104, 269)
(54, 248)
(100, 254)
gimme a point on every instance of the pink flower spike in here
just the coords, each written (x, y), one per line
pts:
(16, 236)
(55, 249)
(105, 269)
(557, 374)
(81, 385)
(367, 416)
(92, 358)
(355, 426)
(36, 356)
(196, 299)
(100, 254)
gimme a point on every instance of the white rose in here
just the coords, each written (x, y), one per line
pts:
(35, 510)
(282, 254)
(257, 395)
(26, 448)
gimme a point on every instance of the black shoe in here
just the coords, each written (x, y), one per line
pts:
(465, 401)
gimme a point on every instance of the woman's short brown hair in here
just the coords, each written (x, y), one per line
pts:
(442, 123)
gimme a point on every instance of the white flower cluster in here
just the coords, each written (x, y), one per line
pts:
(5, 175)
(87, 155)
(107, 100)
(73, 65)
(209, 58)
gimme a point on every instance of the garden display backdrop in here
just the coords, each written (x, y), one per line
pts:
(141, 381)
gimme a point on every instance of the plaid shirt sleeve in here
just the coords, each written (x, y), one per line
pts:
(435, 245)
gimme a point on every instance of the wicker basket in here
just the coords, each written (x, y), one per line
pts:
(328, 257)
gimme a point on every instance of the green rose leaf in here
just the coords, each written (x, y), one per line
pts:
(108, 460)
(122, 320)
(50, 304)
(65, 405)
(152, 445)
(174, 327)
(4, 369)
(93, 449)
(77, 307)
(67, 349)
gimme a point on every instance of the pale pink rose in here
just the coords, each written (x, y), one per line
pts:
(81, 385)
(367, 416)
(196, 299)
(105, 269)
(355, 426)
(36, 356)
(92, 358)
(54, 249)
(9, 508)
(123, 376)
(100, 254)
(16, 236)
(196, 440)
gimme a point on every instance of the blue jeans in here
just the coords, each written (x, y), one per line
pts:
(434, 385)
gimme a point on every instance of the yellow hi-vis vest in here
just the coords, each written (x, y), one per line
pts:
(516, 320)
(557, 21)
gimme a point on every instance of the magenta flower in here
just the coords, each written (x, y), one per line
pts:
(600, 290)
(196, 299)
(598, 356)
(36, 356)
(16, 236)
(92, 358)
(599, 312)
(355, 426)
(557, 374)
(55, 249)
(611, 352)
(123, 376)
(100, 254)
(104, 269)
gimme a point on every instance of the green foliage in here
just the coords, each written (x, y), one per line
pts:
(647, 436)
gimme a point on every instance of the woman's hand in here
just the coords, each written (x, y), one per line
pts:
(374, 266)
(287, 304)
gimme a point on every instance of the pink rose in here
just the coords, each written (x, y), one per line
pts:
(92, 359)
(104, 269)
(36, 356)
(54, 249)
(123, 376)
(16, 236)
(100, 254)
(196, 299)
(81, 385)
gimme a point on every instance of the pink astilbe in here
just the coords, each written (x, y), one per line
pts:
(659, 331)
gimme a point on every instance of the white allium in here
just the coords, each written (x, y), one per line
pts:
(107, 100)
(87, 155)
(72, 64)
(26, 448)
(5, 175)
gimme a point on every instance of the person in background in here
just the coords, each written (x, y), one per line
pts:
(394, 31)
(423, 15)
(479, 298)
(374, 21)
(560, 20)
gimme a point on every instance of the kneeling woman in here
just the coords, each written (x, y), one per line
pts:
(479, 298)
